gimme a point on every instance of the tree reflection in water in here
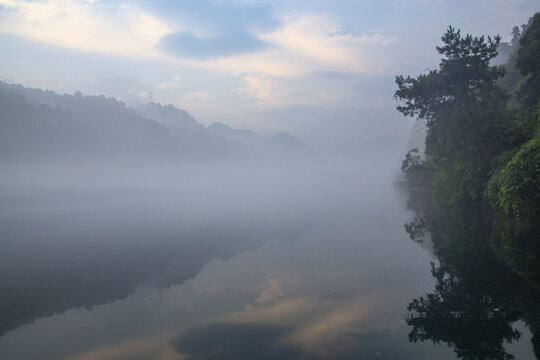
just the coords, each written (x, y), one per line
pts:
(470, 320)
(476, 298)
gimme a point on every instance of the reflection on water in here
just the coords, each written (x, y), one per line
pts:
(477, 300)
(471, 320)
(58, 274)
(236, 341)
(324, 271)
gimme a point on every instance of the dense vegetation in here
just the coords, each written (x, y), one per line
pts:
(476, 189)
(482, 146)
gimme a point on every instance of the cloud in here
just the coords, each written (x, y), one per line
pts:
(211, 18)
(174, 83)
(307, 45)
(236, 341)
(278, 62)
(313, 89)
(276, 91)
(196, 99)
(317, 40)
(185, 44)
(272, 291)
(264, 88)
(217, 28)
(299, 44)
(316, 325)
(309, 42)
(89, 25)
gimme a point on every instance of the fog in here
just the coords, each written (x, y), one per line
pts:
(223, 180)
(84, 234)
(85, 224)
(138, 232)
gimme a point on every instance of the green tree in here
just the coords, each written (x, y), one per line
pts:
(514, 188)
(465, 115)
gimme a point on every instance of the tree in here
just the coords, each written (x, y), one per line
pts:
(528, 62)
(514, 187)
(465, 115)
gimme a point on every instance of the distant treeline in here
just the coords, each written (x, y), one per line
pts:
(38, 126)
(481, 165)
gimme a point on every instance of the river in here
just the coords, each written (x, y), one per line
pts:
(287, 262)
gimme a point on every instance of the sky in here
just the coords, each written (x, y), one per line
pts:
(322, 70)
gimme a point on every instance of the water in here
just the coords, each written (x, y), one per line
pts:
(305, 264)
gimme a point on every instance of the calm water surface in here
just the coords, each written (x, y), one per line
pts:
(219, 269)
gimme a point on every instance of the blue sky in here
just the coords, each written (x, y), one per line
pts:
(320, 69)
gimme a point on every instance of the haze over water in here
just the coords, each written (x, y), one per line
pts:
(280, 259)
(236, 192)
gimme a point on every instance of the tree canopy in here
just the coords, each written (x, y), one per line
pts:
(482, 153)
(464, 110)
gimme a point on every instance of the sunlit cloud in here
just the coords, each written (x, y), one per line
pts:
(275, 91)
(174, 83)
(311, 89)
(266, 89)
(89, 25)
(319, 41)
(323, 334)
(272, 63)
(307, 43)
(319, 325)
(196, 99)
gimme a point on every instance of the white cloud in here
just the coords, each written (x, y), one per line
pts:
(174, 83)
(311, 89)
(196, 99)
(200, 96)
(317, 40)
(262, 87)
(89, 25)
(307, 43)
(280, 74)
(275, 91)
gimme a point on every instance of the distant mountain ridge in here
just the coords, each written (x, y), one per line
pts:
(36, 124)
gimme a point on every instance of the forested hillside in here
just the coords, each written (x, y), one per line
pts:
(481, 169)
(37, 125)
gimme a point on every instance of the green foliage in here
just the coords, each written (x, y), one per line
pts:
(514, 191)
(463, 73)
(483, 161)
(464, 109)
(515, 187)
(512, 74)
(527, 116)
(415, 169)
(528, 60)
(482, 145)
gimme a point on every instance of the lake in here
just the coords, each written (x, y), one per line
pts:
(233, 261)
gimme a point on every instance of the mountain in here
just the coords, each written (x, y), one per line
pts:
(178, 121)
(246, 137)
(287, 142)
(37, 124)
